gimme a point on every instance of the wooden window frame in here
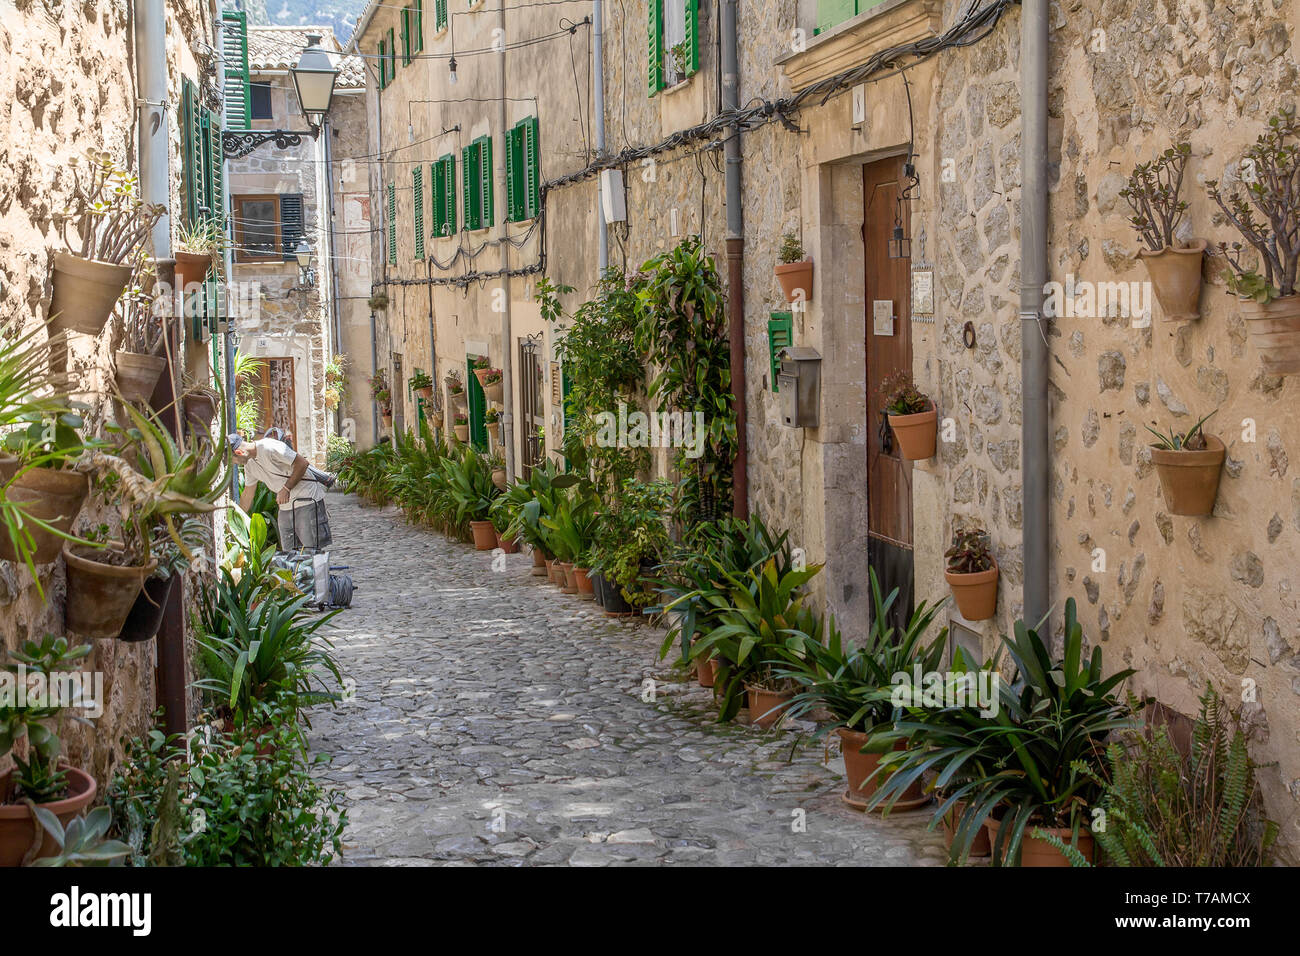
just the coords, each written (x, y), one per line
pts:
(237, 213)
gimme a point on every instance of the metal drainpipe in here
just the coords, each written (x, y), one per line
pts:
(598, 104)
(327, 132)
(507, 386)
(1034, 359)
(735, 257)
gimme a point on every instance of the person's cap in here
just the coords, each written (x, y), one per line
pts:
(235, 440)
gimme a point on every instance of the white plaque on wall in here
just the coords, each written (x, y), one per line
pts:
(882, 316)
(923, 291)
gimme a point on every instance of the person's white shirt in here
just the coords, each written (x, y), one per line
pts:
(272, 466)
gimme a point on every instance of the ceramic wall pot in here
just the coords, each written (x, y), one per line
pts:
(917, 435)
(191, 268)
(796, 280)
(147, 612)
(1190, 479)
(426, 393)
(461, 432)
(1176, 280)
(1275, 332)
(138, 374)
(100, 595)
(200, 407)
(499, 478)
(85, 291)
(53, 496)
(976, 594)
(18, 829)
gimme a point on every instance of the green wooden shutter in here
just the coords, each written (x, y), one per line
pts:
(449, 201)
(392, 224)
(444, 196)
(234, 51)
(469, 188)
(477, 403)
(417, 219)
(514, 174)
(382, 55)
(392, 56)
(780, 335)
(485, 182)
(834, 12)
(417, 27)
(406, 36)
(191, 149)
(440, 14)
(692, 36)
(655, 52)
(532, 162)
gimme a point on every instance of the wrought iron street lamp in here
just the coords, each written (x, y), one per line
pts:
(313, 81)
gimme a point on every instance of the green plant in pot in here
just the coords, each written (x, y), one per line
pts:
(105, 229)
(1189, 464)
(1154, 193)
(794, 270)
(469, 479)
(1025, 767)
(421, 383)
(200, 245)
(143, 336)
(763, 621)
(523, 519)
(972, 573)
(573, 531)
(1269, 300)
(194, 550)
(631, 539)
(913, 418)
(45, 492)
(40, 778)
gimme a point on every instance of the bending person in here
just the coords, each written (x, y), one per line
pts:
(302, 521)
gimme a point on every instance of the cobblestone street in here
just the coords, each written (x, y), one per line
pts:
(497, 720)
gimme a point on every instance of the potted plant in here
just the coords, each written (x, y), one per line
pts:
(460, 427)
(497, 463)
(795, 270)
(1269, 302)
(110, 225)
(499, 515)
(912, 417)
(382, 396)
(43, 780)
(1153, 193)
(200, 402)
(199, 246)
(1189, 464)
(1025, 771)
(572, 527)
(456, 390)
(855, 686)
(972, 573)
(630, 536)
(45, 495)
(421, 383)
(138, 366)
(491, 380)
(472, 492)
(174, 559)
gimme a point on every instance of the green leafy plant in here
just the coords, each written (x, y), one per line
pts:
(1193, 439)
(469, 483)
(85, 840)
(1272, 190)
(791, 249)
(971, 551)
(419, 380)
(202, 237)
(109, 220)
(1154, 192)
(901, 396)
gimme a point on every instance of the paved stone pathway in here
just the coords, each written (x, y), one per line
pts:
(498, 721)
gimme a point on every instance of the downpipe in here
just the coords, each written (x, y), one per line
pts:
(735, 259)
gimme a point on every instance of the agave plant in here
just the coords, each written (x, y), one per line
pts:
(1191, 440)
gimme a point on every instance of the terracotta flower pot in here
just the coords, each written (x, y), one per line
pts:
(8, 467)
(138, 374)
(796, 279)
(461, 432)
(715, 666)
(53, 496)
(569, 585)
(858, 766)
(1190, 479)
(552, 569)
(18, 828)
(539, 564)
(485, 536)
(1037, 852)
(200, 407)
(494, 392)
(979, 846)
(387, 420)
(1275, 330)
(1176, 279)
(85, 291)
(766, 706)
(499, 478)
(458, 400)
(976, 594)
(146, 613)
(100, 595)
(191, 268)
(426, 393)
(508, 545)
(586, 590)
(917, 434)
(705, 672)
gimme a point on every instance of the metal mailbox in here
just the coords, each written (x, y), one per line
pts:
(800, 382)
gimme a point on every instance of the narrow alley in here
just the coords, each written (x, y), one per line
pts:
(496, 720)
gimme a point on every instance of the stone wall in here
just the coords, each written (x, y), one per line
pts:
(67, 84)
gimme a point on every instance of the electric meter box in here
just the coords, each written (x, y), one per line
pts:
(800, 383)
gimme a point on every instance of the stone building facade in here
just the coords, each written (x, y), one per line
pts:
(68, 84)
(1182, 600)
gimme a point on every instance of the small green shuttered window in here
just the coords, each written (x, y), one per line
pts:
(417, 219)
(444, 196)
(832, 13)
(392, 224)
(523, 180)
(383, 65)
(477, 408)
(673, 48)
(476, 160)
(234, 50)
(388, 56)
(204, 196)
(440, 15)
(780, 335)
(417, 27)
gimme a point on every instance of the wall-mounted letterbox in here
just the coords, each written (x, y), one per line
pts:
(800, 383)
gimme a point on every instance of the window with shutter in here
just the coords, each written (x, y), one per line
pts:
(417, 27)
(692, 37)
(522, 176)
(655, 53)
(392, 56)
(440, 15)
(234, 51)
(417, 218)
(469, 186)
(532, 166)
(444, 196)
(477, 407)
(383, 64)
(406, 36)
(780, 335)
(291, 224)
(192, 150)
(392, 224)
(485, 181)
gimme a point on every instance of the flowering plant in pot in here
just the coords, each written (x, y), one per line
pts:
(460, 427)
(421, 383)
(491, 380)
(199, 246)
(110, 227)
(972, 573)
(42, 672)
(1270, 302)
(1153, 193)
(912, 416)
(455, 390)
(1024, 765)
(1189, 465)
(855, 685)
(795, 270)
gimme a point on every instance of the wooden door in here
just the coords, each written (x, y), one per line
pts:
(889, 350)
(276, 403)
